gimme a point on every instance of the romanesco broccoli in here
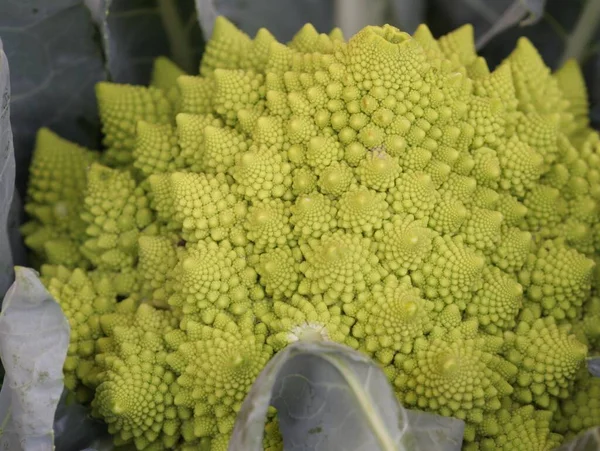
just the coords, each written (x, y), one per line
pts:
(389, 192)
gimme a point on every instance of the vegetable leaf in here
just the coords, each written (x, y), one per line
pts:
(329, 396)
(408, 14)
(283, 18)
(55, 61)
(7, 175)
(586, 441)
(522, 12)
(593, 364)
(353, 15)
(16, 217)
(207, 14)
(75, 429)
(34, 336)
(135, 32)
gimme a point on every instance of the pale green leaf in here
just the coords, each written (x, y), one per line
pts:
(34, 336)
(7, 176)
(522, 12)
(593, 364)
(586, 441)
(330, 397)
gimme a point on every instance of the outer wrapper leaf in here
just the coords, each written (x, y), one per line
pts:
(7, 175)
(587, 441)
(330, 397)
(593, 364)
(34, 336)
(75, 429)
(523, 12)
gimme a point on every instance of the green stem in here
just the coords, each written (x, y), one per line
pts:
(181, 50)
(556, 26)
(6, 420)
(590, 52)
(583, 32)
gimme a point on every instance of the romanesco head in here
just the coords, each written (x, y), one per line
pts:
(389, 192)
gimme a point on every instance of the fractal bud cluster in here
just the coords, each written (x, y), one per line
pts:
(388, 192)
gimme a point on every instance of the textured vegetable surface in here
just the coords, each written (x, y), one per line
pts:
(389, 193)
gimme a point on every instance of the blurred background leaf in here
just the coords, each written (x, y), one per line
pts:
(519, 12)
(34, 336)
(76, 430)
(7, 177)
(593, 364)
(587, 441)
(55, 60)
(283, 18)
(135, 32)
(407, 14)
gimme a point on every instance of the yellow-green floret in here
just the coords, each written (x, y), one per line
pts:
(217, 364)
(58, 179)
(581, 410)
(136, 397)
(83, 302)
